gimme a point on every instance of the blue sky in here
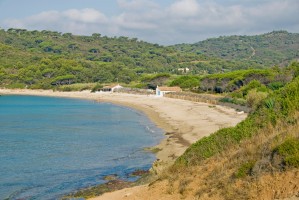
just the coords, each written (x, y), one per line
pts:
(158, 21)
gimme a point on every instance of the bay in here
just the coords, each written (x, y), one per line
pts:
(52, 146)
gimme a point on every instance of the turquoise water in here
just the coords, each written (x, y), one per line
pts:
(52, 146)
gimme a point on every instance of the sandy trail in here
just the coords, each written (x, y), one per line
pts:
(184, 122)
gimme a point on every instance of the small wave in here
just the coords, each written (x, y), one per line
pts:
(149, 129)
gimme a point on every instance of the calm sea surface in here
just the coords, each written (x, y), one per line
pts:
(52, 146)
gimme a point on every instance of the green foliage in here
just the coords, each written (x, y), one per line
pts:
(102, 59)
(153, 80)
(254, 98)
(16, 85)
(97, 87)
(245, 169)
(268, 49)
(269, 103)
(293, 160)
(276, 85)
(63, 80)
(77, 87)
(217, 142)
(283, 110)
(290, 151)
(254, 84)
(186, 82)
(289, 147)
(237, 101)
(244, 80)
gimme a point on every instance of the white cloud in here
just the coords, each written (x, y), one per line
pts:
(132, 21)
(136, 4)
(87, 15)
(184, 8)
(73, 20)
(181, 21)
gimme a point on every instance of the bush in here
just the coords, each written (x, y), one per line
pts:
(186, 82)
(76, 87)
(250, 86)
(16, 86)
(290, 151)
(245, 169)
(293, 160)
(275, 85)
(226, 100)
(269, 103)
(254, 98)
(289, 147)
(97, 87)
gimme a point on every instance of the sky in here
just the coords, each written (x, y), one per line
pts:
(163, 22)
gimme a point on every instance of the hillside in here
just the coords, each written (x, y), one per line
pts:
(47, 59)
(256, 159)
(275, 48)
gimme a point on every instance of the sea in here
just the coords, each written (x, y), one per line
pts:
(50, 147)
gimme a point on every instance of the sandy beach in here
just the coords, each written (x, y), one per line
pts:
(184, 123)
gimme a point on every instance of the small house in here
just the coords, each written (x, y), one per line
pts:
(161, 91)
(111, 88)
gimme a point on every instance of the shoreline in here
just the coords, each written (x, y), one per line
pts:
(183, 122)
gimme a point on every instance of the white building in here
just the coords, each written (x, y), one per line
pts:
(161, 91)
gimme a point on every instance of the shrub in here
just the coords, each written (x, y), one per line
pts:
(186, 82)
(289, 147)
(76, 87)
(250, 86)
(16, 86)
(290, 151)
(97, 87)
(293, 160)
(269, 103)
(245, 169)
(226, 100)
(275, 85)
(254, 98)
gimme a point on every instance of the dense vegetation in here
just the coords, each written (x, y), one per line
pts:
(263, 147)
(275, 48)
(279, 106)
(47, 59)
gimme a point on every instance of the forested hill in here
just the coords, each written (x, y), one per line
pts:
(275, 48)
(45, 59)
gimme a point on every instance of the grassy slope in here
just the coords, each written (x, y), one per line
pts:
(257, 159)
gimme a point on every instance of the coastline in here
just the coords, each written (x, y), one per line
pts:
(184, 122)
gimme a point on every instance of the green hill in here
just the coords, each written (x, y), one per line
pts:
(47, 59)
(275, 48)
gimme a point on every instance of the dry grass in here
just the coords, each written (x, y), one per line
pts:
(215, 178)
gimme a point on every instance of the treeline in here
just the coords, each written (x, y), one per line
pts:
(275, 48)
(243, 87)
(46, 59)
